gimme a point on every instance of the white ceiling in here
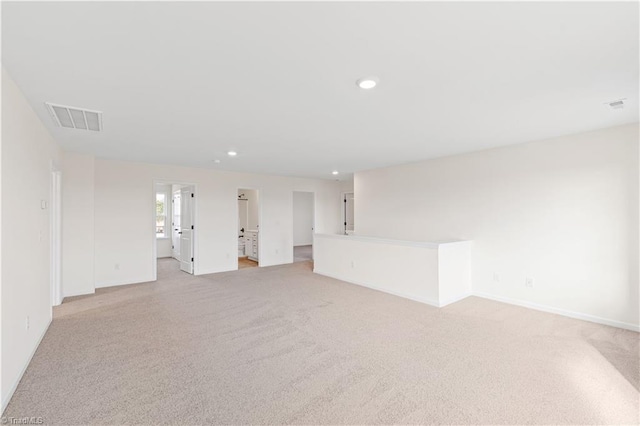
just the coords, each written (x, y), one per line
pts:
(183, 83)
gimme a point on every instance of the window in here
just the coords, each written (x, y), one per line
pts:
(161, 215)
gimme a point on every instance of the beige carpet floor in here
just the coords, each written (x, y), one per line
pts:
(282, 345)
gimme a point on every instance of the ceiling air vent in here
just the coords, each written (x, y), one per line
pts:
(619, 104)
(75, 118)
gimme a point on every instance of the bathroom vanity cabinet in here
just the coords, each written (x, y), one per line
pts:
(251, 244)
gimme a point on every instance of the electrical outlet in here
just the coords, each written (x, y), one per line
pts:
(26, 323)
(496, 277)
(353, 264)
(529, 282)
(277, 251)
(116, 266)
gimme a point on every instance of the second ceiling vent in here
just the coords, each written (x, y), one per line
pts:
(619, 104)
(75, 118)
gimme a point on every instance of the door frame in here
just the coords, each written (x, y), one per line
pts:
(154, 250)
(55, 232)
(259, 191)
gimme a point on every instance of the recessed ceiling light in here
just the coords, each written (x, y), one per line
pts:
(232, 153)
(216, 161)
(367, 82)
(335, 172)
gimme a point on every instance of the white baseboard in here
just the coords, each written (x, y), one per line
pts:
(558, 311)
(430, 302)
(7, 398)
(78, 294)
(216, 270)
(454, 300)
(524, 304)
(115, 283)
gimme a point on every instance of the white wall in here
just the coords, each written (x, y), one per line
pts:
(302, 218)
(347, 184)
(2, 395)
(27, 153)
(563, 211)
(125, 240)
(77, 224)
(163, 245)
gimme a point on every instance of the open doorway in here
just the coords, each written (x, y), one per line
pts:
(174, 225)
(303, 225)
(248, 228)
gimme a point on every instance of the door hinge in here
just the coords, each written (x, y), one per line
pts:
(192, 259)
(345, 224)
(191, 226)
(172, 247)
(192, 195)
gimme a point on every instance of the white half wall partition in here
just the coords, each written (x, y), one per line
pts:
(436, 273)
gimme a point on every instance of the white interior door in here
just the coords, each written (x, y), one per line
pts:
(186, 229)
(175, 225)
(348, 212)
